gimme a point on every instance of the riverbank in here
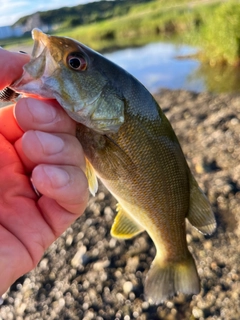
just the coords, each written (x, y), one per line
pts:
(86, 274)
(140, 23)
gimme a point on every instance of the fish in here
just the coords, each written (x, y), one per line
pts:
(129, 145)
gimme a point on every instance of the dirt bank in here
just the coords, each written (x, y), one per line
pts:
(86, 274)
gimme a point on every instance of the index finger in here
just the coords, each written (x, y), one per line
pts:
(11, 64)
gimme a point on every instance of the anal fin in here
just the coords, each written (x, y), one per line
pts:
(91, 177)
(124, 226)
(200, 214)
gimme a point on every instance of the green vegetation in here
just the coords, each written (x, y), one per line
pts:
(220, 35)
(143, 23)
(16, 42)
(68, 17)
(212, 25)
(218, 79)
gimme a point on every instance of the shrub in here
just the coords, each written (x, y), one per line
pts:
(220, 35)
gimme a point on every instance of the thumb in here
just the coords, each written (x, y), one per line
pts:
(11, 64)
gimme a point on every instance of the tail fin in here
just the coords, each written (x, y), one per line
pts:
(164, 280)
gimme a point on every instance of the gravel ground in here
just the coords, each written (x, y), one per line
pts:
(86, 274)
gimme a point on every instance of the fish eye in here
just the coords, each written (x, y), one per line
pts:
(77, 62)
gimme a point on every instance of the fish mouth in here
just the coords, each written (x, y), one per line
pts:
(41, 66)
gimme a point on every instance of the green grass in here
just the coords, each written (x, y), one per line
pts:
(220, 35)
(156, 19)
(212, 25)
(143, 23)
(16, 42)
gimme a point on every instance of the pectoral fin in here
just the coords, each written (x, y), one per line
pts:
(124, 226)
(91, 177)
(200, 214)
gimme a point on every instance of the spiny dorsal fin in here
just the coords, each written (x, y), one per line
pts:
(200, 214)
(91, 177)
(124, 226)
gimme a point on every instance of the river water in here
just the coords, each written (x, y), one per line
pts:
(157, 65)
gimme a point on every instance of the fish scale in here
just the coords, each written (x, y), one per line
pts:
(131, 147)
(142, 189)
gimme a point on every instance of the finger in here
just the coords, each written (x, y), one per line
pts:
(8, 160)
(49, 148)
(13, 180)
(58, 218)
(27, 163)
(67, 185)
(43, 115)
(11, 66)
(8, 125)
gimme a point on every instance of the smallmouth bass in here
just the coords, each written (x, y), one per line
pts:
(131, 147)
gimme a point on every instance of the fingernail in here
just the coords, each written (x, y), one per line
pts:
(58, 177)
(41, 111)
(51, 144)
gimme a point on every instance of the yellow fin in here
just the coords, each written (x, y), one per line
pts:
(200, 214)
(124, 226)
(166, 279)
(91, 177)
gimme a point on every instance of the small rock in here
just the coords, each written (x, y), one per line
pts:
(127, 287)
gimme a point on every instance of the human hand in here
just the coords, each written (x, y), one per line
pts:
(48, 152)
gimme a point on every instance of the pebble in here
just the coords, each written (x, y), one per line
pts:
(87, 274)
(127, 287)
(78, 257)
(197, 313)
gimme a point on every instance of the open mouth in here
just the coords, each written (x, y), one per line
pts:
(40, 67)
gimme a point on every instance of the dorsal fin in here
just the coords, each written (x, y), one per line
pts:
(124, 226)
(200, 214)
(91, 177)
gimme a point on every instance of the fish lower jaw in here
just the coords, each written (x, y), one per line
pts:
(32, 89)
